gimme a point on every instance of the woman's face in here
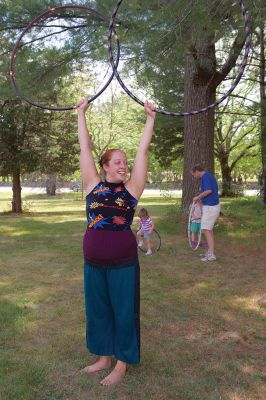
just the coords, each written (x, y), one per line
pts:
(117, 169)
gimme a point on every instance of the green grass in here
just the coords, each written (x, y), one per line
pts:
(203, 335)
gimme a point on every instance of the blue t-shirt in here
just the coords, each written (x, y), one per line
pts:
(208, 182)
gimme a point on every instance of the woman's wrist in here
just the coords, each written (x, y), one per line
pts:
(82, 114)
(150, 118)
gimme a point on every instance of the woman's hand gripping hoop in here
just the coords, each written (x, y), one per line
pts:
(233, 86)
(28, 27)
(194, 245)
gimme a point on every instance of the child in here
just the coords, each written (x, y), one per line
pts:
(146, 227)
(195, 225)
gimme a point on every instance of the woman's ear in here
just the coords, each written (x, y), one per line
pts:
(104, 168)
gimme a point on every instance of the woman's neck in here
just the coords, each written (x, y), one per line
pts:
(110, 180)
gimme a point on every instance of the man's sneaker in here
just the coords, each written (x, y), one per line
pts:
(204, 254)
(149, 253)
(140, 244)
(208, 257)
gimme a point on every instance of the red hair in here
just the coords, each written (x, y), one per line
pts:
(107, 155)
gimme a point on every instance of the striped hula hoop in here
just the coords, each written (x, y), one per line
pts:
(26, 29)
(218, 101)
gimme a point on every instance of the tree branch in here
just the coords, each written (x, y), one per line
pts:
(241, 155)
(231, 60)
(241, 138)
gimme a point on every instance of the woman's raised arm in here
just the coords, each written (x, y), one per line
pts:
(90, 176)
(138, 177)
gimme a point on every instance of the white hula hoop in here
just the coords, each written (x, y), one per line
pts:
(188, 229)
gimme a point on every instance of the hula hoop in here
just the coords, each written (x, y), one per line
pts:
(189, 232)
(233, 86)
(14, 53)
(158, 242)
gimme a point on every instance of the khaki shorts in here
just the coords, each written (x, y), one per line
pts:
(209, 216)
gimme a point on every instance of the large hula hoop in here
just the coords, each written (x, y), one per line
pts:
(158, 242)
(174, 114)
(188, 229)
(14, 53)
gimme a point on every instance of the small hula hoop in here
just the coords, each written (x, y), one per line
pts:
(159, 243)
(14, 53)
(188, 229)
(182, 114)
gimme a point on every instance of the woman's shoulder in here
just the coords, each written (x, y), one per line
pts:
(94, 186)
(130, 191)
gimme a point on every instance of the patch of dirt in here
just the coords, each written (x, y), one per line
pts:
(230, 222)
(234, 336)
(262, 300)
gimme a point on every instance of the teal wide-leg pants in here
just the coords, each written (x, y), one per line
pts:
(112, 311)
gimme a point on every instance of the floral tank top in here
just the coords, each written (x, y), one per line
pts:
(110, 211)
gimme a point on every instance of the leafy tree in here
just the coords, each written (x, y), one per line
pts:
(236, 137)
(258, 66)
(181, 51)
(59, 152)
(115, 123)
(32, 138)
(261, 53)
(168, 143)
(21, 127)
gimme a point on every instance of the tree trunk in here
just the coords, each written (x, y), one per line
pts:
(16, 188)
(263, 114)
(198, 129)
(226, 178)
(51, 185)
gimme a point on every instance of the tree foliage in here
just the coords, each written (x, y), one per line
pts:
(177, 52)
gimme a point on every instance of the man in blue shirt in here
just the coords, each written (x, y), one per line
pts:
(210, 207)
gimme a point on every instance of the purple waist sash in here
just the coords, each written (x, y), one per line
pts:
(109, 247)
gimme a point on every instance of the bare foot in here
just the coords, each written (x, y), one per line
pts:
(116, 375)
(103, 363)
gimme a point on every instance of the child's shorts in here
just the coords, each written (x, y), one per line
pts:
(195, 227)
(146, 235)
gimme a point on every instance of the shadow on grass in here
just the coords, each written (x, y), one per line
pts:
(59, 196)
(48, 214)
(202, 334)
(37, 231)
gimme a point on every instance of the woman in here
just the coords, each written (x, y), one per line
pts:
(111, 269)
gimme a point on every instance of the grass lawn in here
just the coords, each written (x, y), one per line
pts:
(203, 332)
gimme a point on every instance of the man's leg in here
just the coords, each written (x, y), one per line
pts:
(210, 240)
(209, 217)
